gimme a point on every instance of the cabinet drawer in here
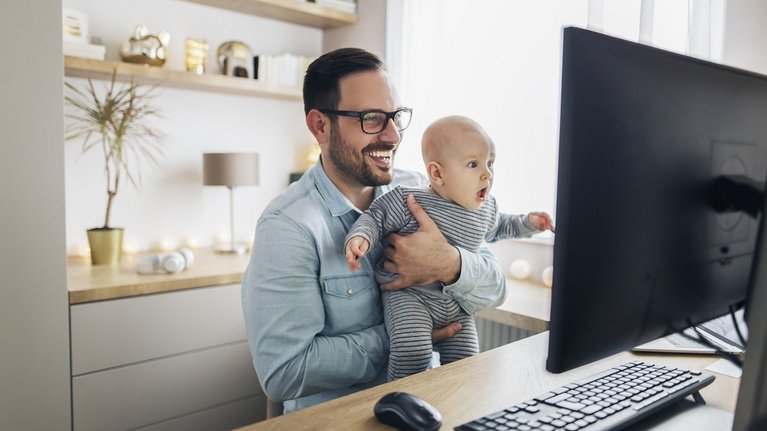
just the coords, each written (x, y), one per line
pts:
(150, 392)
(125, 331)
(221, 418)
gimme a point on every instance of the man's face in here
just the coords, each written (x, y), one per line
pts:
(362, 158)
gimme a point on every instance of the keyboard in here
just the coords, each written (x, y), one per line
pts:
(609, 400)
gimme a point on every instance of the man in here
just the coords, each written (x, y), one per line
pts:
(315, 328)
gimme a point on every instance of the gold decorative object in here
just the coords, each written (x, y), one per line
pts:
(196, 56)
(235, 59)
(145, 48)
(106, 245)
(115, 123)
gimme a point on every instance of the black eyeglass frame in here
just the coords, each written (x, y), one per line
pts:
(361, 116)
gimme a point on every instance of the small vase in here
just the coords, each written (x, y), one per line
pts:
(106, 245)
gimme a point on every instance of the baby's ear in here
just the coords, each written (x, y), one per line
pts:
(434, 170)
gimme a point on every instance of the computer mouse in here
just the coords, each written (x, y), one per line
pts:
(407, 412)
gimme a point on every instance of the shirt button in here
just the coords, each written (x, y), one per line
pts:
(349, 291)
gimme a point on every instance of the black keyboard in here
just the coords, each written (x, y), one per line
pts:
(609, 400)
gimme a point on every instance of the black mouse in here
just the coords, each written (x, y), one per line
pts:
(407, 412)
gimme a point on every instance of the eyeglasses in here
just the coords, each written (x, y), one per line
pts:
(373, 122)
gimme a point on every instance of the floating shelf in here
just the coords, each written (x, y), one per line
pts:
(295, 11)
(103, 69)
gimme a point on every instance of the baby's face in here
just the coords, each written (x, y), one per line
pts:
(468, 170)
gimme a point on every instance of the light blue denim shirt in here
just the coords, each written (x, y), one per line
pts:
(315, 328)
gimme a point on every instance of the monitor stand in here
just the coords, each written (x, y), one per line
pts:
(684, 416)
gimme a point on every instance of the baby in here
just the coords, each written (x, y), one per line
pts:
(459, 159)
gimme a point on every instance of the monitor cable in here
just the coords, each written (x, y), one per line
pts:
(732, 357)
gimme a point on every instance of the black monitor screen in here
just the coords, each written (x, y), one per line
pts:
(639, 250)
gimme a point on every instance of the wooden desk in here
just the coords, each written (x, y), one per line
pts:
(491, 381)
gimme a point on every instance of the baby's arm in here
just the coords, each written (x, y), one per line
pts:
(541, 221)
(356, 248)
(517, 225)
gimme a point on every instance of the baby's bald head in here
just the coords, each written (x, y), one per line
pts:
(459, 158)
(443, 136)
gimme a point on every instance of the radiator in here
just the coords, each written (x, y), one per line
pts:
(493, 334)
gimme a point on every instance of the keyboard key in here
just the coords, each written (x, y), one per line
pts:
(532, 409)
(558, 398)
(570, 405)
(591, 409)
(492, 416)
(544, 397)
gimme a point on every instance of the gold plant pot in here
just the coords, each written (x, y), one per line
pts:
(106, 245)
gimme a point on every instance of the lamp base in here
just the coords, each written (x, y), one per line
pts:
(237, 249)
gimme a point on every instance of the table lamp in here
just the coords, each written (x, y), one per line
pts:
(230, 170)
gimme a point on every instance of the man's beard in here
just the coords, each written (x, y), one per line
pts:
(353, 163)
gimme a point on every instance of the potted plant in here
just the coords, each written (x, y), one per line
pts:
(115, 124)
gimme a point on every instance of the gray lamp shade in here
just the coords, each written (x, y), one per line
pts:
(230, 169)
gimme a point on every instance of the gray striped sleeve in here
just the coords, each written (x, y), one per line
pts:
(387, 214)
(510, 226)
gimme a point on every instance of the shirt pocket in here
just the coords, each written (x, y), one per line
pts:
(348, 286)
(352, 303)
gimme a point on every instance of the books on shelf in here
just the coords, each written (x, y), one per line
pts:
(84, 50)
(286, 70)
(348, 6)
(75, 36)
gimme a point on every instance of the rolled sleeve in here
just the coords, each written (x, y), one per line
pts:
(481, 284)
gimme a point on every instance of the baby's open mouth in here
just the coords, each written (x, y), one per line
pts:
(482, 194)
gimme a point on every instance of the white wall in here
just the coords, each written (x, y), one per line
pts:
(172, 203)
(745, 35)
(34, 312)
(368, 32)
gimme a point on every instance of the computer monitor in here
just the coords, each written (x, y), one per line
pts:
(640, 250)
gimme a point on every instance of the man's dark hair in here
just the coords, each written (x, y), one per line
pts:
(321, 89)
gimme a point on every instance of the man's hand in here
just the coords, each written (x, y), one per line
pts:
(355, 250)
(423, 257)
(445, 332)
(541, 221)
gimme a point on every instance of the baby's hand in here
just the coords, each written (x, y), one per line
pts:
(355, 250)
(541, 221)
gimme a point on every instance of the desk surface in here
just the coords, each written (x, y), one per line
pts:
(491, 381)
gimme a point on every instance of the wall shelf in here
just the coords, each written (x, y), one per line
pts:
(295, 11)
(102, 69)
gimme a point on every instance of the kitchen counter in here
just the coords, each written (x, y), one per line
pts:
(89, 283)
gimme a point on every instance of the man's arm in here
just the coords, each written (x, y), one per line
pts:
(474, 280)
(284, 306)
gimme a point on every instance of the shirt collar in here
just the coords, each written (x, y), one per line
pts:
(337, 203)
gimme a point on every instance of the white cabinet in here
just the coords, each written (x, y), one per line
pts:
(167, 361)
